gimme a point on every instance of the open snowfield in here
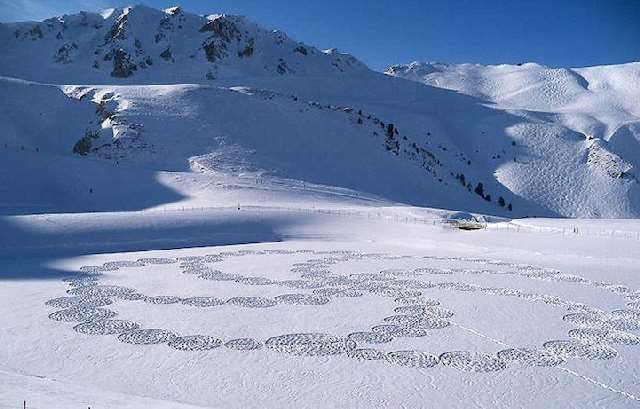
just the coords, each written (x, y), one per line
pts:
(337, 306)
(196, 212)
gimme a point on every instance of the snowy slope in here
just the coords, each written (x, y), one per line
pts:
(220, 94)
(216, 132)
(595, 101)
(580, 125)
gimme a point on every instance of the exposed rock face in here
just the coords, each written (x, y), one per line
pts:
(64, 53)
(248, 49)
(36, 32)
(282, 67)
(223, 28)
(213, 50)
(200, 48)
(224, 32)
(610, 163)
(166, 55)
(122, 65)
(119, 29)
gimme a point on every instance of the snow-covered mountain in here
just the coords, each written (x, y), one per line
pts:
(220, 96)
(139, 44)
(581, 127)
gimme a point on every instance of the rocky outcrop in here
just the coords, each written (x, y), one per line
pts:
(248, 49)
(122, 65)
(223, 28)
(118, 30)
(214, 50)
(64, 53)
(122, 42)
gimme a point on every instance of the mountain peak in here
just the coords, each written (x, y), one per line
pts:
(159, 46)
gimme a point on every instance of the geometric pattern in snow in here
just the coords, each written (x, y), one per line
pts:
(105, 327)
(310, 344)
(593, 332)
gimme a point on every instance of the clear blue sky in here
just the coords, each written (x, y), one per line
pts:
(569, 33)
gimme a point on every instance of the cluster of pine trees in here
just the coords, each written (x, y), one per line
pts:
(479, 190)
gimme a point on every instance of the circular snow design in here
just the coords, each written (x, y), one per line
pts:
(244, 344)
(399, 331)
(157, 260)
(411, 309)
(106, 327)
(530, 357)
(202, 301)
(438, 312)
(195, 343)
(631, 315)
(432, 323)
(100, 290)
(585, 319)
(123, 263)
(217, 275)
(255, 281)
(80, 313)
(81, 280)
(302, 299)
(367, 354)
(147, 336)
(413, 359)
(97, 269)
(472, 361)
(131, 296)
(591, 336)
(252, 302)
(310, 344)
(79, 301)
(162, 299)
(623, 324)
(415, 300)
(576, 349)
(370, 337)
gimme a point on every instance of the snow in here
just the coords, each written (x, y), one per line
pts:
(45, 358)
(550, 142)
(570, 114)
(237, 235)
(200, 49)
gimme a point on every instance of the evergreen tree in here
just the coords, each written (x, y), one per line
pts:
(390, 130)
(479, 189)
